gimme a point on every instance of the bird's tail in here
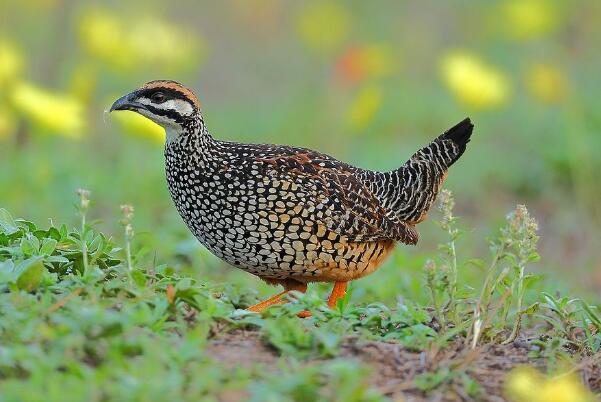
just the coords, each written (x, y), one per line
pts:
(421, 177)
(459, 135)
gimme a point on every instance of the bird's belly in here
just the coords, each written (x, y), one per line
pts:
(278, 247)
(275, 239)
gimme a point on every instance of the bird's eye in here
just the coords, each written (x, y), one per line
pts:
(158, 97)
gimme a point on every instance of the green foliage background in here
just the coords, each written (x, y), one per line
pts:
(368, 82)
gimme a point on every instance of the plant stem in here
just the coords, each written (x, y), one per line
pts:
(518, 318)
(84, 245)
(484, 299)
(84, 203)
(128, 213)
(453, 278)
(439, 315)
(128, 253)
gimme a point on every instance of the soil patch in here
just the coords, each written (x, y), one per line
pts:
(394, 368)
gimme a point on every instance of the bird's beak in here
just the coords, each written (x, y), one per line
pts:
(127, 103)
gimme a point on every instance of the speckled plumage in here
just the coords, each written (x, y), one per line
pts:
(293, 214)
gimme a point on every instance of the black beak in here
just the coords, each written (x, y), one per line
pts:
(127, 103)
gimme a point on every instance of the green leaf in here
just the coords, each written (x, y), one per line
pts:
(3, 239)
(48, 246)
(30, 226)
(54, 233)
(533, 308)
(40, 234)
(57, 258)
(29, 274)
(530, 280)
(7, 223)
(96, 243)
(138, 277)
(30, 245)
(63, 231)
(595, 319)
(7, 271)
(534, 257)
(184, 284)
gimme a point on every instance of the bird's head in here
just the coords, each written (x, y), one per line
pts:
(167, 103)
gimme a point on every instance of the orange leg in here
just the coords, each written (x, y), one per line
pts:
(277, 299)
(338, 291)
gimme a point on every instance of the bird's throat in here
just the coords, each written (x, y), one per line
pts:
(172, 134)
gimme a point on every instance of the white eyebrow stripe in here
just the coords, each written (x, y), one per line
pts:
(180, 106)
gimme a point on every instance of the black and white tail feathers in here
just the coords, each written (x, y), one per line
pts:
(460, 134)
(421, 177)
(444, 150)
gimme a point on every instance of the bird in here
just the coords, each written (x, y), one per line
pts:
(290, 215)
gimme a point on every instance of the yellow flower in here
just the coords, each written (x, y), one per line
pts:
(364, 107)
(124, 44)
(140, 126)
(59, 113)
(526, 19)
(528, 385)
(169, 45)
(323, 25)
(11, 62)
(473, 82)
(102, 36)
(546, 83)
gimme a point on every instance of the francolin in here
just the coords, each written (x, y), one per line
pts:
(290, 215)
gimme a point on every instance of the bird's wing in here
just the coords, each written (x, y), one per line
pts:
(328, 190)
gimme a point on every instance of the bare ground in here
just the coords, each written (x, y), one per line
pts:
(394, 367)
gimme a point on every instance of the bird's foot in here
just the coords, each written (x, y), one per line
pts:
(338, 292)
(277, 299)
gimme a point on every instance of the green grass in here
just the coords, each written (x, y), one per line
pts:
(84, 319)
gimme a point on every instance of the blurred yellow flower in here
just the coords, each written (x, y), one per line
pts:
(11, 62)
(526, 19)
(59, 113)
(473, 82)
(364, 107)
(139, 126)
(101, 35)
(140, 42)
(323, 25)
(363, 62)
(546, 83)
(528, 385)
(169, 44)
